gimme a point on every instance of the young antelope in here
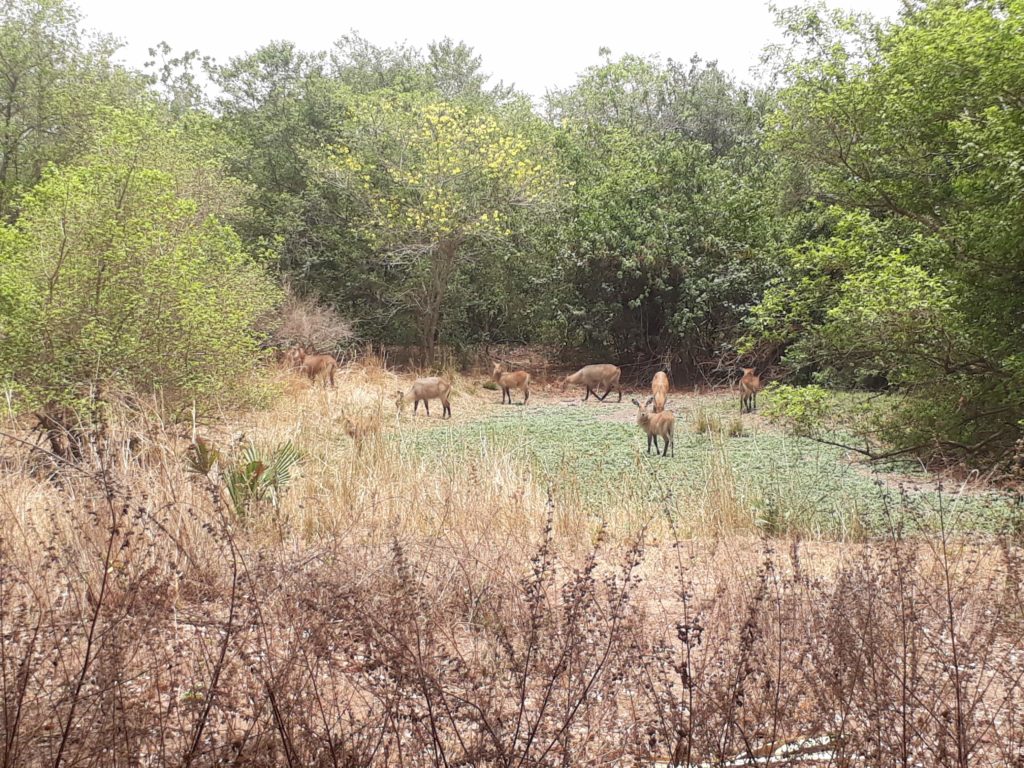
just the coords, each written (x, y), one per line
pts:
(750, 385)
(431, 388)
(511, 380)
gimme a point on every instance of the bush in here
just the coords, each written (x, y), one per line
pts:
(303, 320)
(119, 273)
(802, 408)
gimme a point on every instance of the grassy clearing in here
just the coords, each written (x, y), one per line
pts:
(492, 468)
(729, 473)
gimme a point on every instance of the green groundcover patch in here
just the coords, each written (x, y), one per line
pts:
(784, 484)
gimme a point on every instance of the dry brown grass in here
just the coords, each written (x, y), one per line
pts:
(395, 611)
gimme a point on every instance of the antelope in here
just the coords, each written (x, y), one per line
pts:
(659, 389)
(750, 385)
(359, 429)
(426, 390)
(317, 366)
(511, 380)
(293, 357)
(656, 425)
(594, 377)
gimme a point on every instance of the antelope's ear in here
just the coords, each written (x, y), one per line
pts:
(649, 401)
(635, 402)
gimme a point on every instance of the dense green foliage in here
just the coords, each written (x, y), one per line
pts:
(406, 252)
(913, 136)
(119, 272)
(672, 226)
(857, 222)
(438, 185)
(54, 79)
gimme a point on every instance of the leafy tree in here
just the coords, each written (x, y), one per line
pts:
(54, 80)
(367, 68)
(280, 107)
(178, 80)
(914, 129)
(442, 185)
(120, 273)
(670, 230)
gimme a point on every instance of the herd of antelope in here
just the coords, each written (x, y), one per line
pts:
(656, 422)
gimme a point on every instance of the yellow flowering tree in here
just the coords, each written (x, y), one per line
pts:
(439, 184)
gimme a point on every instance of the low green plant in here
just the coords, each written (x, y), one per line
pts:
(249, 478)
(260, 476)
(803, 409)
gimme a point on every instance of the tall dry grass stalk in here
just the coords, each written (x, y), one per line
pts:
(397, 610)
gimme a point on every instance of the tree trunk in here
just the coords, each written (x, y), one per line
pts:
(443, 261)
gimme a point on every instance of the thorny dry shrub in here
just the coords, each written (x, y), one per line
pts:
(129, 638)
(302, 320)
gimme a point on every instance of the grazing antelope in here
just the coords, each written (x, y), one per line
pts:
(316, 366)
(426, 390)
(656, 425)
(659, 389)
(593, 377)
(293, 357)
(750, 385)
(511, 380)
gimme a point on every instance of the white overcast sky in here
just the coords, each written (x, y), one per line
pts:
(536, 44)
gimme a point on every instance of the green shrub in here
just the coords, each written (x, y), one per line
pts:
(802, 408)
(120, 273)
(252, 476)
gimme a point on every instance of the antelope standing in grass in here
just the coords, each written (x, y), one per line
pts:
(360, 428)
(293, 358)
(593, 377)
(432, 388)
(659, 390)
(656, 425)
(511, 380)
(750, 385)
(312, 366)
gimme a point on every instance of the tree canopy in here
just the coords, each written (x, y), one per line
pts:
(910, 137)
(854, 219)
(120, 273)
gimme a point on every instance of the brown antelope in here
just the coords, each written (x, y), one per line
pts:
(426, 390)
(293, 357)
(656, 425)
(511, 380)
(359, 428)
(318, 366)
(659, 389)
(750, 385)
(593, 377)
